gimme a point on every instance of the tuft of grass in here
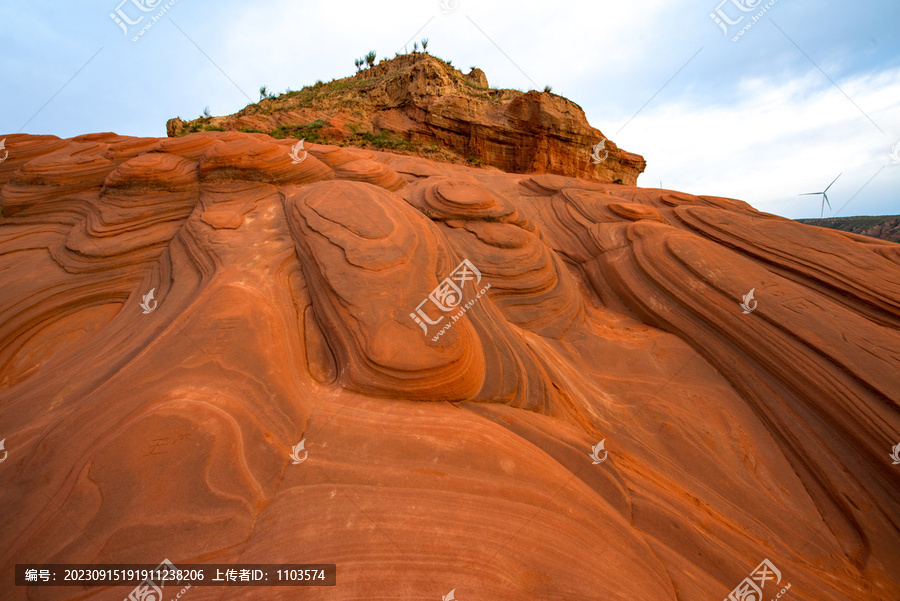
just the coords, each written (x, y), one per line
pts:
(383, 140)
(309, 132)
(387, 140)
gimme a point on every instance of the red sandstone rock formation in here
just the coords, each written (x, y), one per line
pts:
(283, 295)
(423, 105)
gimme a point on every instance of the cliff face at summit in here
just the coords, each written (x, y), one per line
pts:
(424, 106)
(303, 301)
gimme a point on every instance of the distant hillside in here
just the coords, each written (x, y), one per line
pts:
(884, 227)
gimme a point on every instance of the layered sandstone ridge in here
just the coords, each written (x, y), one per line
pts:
(422, 105)
(286, 308)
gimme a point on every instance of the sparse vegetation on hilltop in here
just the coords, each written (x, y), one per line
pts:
(344, 93)
(380, 107)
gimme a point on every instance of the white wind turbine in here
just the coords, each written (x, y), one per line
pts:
(824, 194)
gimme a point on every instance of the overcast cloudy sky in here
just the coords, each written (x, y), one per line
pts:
(809, 91)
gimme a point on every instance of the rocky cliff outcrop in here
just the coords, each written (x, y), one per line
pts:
(419, 104)
(451, 344)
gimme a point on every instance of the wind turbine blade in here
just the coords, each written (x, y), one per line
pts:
(832, 183)
(825, 196)
(809, 194)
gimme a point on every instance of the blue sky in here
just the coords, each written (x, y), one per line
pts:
(810, 90)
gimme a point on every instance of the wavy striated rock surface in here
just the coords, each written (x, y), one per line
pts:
(451, 343)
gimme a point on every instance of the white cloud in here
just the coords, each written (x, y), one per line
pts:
(779, 139)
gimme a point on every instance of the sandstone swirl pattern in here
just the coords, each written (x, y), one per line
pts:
(284, 292)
